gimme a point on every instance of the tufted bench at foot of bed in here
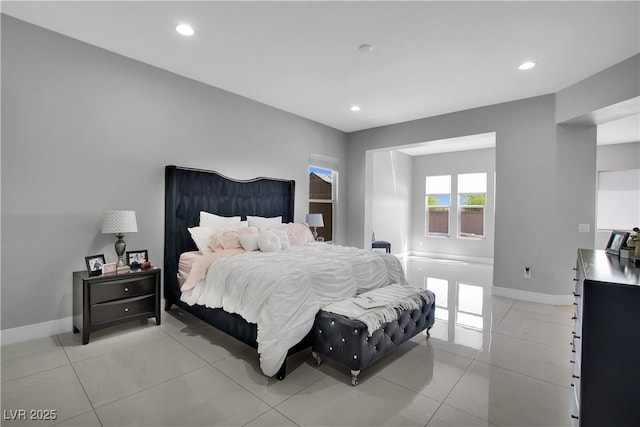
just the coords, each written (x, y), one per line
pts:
(347, 341)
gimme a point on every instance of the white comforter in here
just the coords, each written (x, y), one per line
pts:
(281, 292)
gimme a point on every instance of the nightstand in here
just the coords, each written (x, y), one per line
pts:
(100, 301)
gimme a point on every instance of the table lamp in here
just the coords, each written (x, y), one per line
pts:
(314, 220)
(118, 223)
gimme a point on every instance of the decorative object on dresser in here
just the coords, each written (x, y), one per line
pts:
(633, 243)
(94, 264)
(135, 259)
(314, 220)
(606, 341)
(110, 267)
(118, 223)
(100, 301)
(617, 240)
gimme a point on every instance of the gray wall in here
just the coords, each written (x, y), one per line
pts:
(85, 130)
(471, 161)
(574, 198)
(392, 199)
(525, 172)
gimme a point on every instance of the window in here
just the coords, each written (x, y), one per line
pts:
(322, 196)
(438, 202)
(618, 199)
(472, 199)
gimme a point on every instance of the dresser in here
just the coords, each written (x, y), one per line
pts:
(605, 383)
(100, 301)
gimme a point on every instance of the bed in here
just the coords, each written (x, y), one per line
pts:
(190, 191)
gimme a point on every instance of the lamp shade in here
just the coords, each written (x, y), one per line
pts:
(314, 220)
(119, 222)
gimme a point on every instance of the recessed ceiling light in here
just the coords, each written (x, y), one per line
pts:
(184, 29)
(355, 108)
(366, 48)
(526, 65)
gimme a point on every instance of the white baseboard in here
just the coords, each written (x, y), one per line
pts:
(37, 330)
(463, 258)
(533, 296)
(41, 330)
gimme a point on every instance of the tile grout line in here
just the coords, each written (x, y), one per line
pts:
(211, 364)
(524, 375)
(458, 381)
(473, 359)
(81, 385)
(135, 392)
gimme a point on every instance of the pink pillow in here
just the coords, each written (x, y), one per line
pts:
(298, 233)
(224, 240)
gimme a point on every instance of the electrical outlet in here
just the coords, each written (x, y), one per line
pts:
(527, 272)
(583, 228)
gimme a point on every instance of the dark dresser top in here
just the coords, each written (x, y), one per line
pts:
(600, 266)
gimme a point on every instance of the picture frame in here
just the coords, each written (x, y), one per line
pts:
(110, 267)
(135, 259)
(617, 240)
(94, 264)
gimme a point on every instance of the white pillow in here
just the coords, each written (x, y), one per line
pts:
(283, 237)
(268, 242)
(201, 236)
(216, 221)
(262, 222)
(249, 242)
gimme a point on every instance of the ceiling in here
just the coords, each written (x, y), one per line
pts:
(428, 58)
(620, 131)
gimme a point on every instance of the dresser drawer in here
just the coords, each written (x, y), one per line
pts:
(121, 309)
(574, 413)
(122, 288)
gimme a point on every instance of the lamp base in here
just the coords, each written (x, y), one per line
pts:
(315, 233)
(121, 246)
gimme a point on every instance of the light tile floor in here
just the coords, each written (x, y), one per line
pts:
(490, 361)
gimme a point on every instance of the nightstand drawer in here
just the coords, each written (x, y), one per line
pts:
(122, 288)
(121, 309)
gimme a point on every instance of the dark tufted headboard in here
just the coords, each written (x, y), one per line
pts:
(189, 191)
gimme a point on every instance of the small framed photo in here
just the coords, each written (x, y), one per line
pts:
(617, 240)
(110, 267)
(136, 258)
(94, 264)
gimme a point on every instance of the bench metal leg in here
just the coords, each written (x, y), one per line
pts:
(354, 377)
(317, 357)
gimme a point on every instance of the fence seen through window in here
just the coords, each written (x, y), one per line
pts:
(322, 183)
